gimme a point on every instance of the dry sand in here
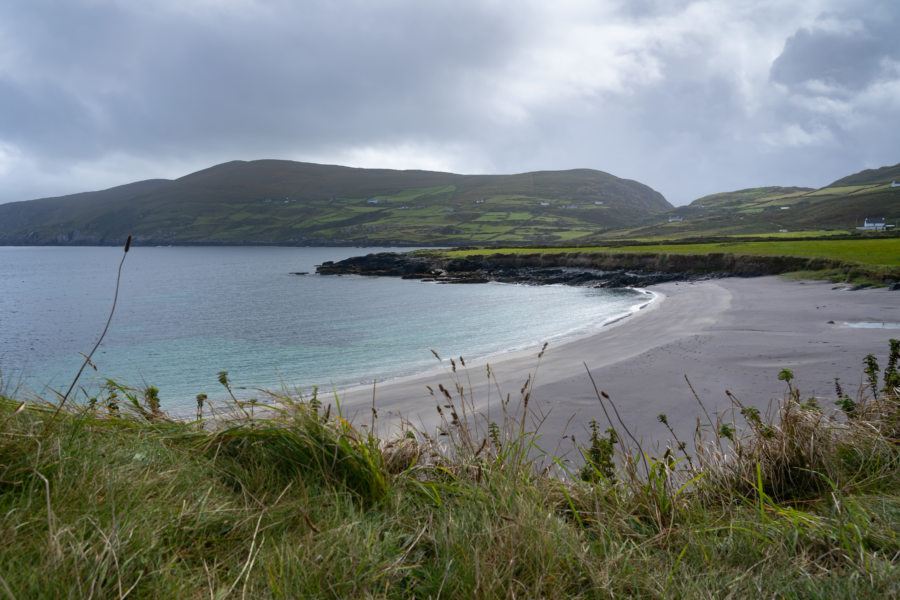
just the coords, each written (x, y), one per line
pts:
(726, 334)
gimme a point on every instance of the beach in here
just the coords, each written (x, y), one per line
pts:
(732, 334)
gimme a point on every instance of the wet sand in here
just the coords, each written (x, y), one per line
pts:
(727, 334)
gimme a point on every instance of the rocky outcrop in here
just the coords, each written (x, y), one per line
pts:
(573, 268)
(536, 269)
(386, 264)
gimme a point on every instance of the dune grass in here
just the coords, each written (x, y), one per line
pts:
(113, 498)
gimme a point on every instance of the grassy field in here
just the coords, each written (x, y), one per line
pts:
(874, 252)
(112, 499)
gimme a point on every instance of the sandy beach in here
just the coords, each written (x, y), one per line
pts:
(726, 334)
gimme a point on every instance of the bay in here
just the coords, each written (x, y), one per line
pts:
(186, 313)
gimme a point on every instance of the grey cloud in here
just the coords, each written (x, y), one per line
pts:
(170, 83)
(296, 73)
(851, 58)
(837, 75)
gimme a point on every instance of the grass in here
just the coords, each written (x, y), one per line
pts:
(800, 234)
(871, 261)
(839, 191)
(874, 252)
(113, 499)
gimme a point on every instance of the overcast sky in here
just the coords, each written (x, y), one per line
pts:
(690, 98)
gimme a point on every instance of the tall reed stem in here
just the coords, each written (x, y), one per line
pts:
(87, 359)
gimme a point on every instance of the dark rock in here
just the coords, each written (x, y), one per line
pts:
(533, 270)
(382, 264)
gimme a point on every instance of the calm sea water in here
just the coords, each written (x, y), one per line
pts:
(184, 314)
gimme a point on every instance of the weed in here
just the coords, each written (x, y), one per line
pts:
(599, 464)
(871, 370)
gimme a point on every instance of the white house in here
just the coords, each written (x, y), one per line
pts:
(895, 184)
(873, 224)
(676, 219)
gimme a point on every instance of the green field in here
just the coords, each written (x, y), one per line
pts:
(874, 252)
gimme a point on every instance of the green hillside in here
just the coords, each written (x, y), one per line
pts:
(835, 209)
(870, 177)
(284, 202)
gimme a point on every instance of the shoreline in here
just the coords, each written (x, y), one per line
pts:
(724, 334)
(557, 339)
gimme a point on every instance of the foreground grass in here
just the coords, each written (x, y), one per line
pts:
(115, 499)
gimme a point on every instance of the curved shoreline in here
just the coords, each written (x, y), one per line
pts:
(351, 394)
(733, 334)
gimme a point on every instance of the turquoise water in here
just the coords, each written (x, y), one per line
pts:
(184, 314)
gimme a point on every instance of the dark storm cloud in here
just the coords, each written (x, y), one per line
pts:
(850, 52)
(840, 77)
(691, 97)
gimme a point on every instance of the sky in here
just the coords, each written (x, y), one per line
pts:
(688, 97)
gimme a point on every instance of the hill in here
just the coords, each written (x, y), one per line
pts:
(870, 177)
(285, 202)
(840, 207)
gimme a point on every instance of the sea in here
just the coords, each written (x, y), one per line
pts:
(185, 314)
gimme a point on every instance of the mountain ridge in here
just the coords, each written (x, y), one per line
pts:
(287, 202)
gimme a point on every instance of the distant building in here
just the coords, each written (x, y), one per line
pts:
(373, 200)
(599, 202)
(785, 207)
(479, 201)
(676, 219)
(544, 203)
(895, 184)
(874, 224)
(782, 231)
